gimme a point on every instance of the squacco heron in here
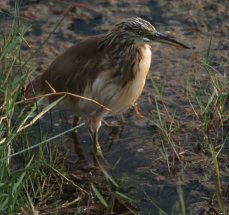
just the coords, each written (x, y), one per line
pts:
(109, 68)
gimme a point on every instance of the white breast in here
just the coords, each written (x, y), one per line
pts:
(128, 95)
(138, 83)
(116, 97)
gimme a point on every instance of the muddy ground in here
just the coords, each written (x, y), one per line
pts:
(138, 144)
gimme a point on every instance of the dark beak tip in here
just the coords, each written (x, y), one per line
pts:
(170, 40)
(182, 46)
(186, 47)
(189, 47)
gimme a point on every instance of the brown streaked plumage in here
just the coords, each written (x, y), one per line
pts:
(109, 68)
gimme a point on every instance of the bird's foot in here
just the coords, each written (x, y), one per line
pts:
(116, 123)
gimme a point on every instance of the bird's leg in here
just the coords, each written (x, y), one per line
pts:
(122, 120)
(94, 125)
(137, 112)
(77, 147)
(98, 157)
(97, 147)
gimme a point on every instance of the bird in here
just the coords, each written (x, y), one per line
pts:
(109, 68)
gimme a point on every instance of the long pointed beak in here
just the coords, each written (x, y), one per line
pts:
(164, 39)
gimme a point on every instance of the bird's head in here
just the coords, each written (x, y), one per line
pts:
(140, 30)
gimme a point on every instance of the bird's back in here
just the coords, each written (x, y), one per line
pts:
(72, 70)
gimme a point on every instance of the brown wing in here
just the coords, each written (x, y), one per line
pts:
(72, 70)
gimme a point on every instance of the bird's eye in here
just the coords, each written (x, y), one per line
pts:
(140, 32)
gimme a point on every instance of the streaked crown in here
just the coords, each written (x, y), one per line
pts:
(134, 24)
(135, 28)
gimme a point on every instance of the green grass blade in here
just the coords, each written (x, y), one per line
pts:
(99, 195)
